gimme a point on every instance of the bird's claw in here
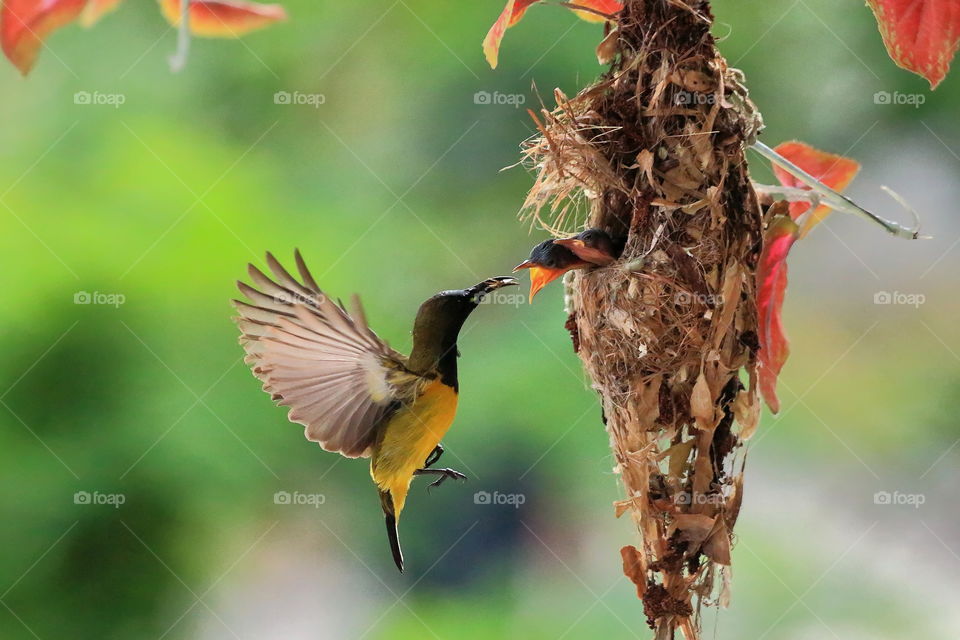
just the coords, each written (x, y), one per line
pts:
(434, 456)
(448, 473)
(443, 473)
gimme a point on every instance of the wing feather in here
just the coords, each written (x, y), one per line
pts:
(304, 272)
(286, 280)
(337, 377)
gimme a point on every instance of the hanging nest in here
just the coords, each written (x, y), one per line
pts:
(654, 151)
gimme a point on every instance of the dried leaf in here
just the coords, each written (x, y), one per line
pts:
(678, 454)
(725, 590)
(700, 500)
(647, 402)
(701, 403)
(224, 18)
(832, 170)
(717, 546)
(24, 24)
(730, 301)
(645, 164)
(694, 528)
(772, 285)
(693, 80)
(746, 410)
(633, 568)
(620, 507)
(920, 35)
(608, 47)
(514, 10)
(731, 510)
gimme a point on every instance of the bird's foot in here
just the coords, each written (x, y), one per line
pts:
(434, 456)
(443, 473)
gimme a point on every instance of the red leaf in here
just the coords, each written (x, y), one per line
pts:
(515, 9)
(25, 23)
(832, 170)
(96, 9)
(224, 18)
(606, 7)
(921, 35)
(772, 285)
(510, 16)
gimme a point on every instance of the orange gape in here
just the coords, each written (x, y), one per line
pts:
(554, 257)
(542, 276)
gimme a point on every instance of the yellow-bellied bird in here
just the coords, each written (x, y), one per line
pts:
(352, 392)
(554, 257)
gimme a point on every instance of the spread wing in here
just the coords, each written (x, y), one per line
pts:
(339, 379)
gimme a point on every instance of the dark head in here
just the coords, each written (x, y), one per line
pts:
(438, 324)
(547, 262)
(594, 246)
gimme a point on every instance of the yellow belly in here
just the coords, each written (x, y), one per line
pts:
(409, 437)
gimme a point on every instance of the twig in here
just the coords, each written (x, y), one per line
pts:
(179, 58)
(839, 201)
(576, 7)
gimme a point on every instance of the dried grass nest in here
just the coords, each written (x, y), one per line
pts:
(655, 151)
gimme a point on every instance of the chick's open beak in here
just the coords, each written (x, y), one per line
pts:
(526, 264)
(540, 276)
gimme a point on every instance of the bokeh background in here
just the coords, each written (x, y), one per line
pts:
(392, 188)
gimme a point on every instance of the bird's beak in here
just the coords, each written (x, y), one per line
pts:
(541, 277)
(586, 253)
(492, 284)
(526, 264)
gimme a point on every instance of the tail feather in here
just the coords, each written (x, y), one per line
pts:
(390, 518)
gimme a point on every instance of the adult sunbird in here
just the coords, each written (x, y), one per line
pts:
(554, 257)
(352, 392)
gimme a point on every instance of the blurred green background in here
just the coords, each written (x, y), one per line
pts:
(392, 188)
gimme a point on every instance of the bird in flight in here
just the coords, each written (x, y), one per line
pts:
(354, 394)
